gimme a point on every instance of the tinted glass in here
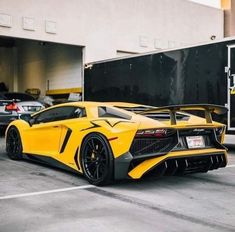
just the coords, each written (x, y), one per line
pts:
(190, 75)
(112, 113)
(60, 113)
(19, 96)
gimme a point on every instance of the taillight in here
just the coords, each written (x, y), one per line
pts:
(219, 130)
(219, 133)
(12, 107)
(158, 133)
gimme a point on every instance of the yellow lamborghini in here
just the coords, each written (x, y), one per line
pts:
(111, 141)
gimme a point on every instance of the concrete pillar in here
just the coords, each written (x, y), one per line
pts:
(229, 17)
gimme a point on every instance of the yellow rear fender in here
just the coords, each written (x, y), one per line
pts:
(21, 125)
(118, 132)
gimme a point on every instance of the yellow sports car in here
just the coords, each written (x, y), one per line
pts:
(111, 141)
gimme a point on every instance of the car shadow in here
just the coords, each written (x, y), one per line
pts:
(143, 183)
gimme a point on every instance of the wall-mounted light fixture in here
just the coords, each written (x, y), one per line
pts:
(213, 37)
(88, 66)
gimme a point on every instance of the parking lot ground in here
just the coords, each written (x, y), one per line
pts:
(36, 197)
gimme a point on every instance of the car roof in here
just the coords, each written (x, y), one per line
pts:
(8, 95)
(112, 104)
(83, 104)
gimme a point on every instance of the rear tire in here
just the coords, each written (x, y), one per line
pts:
(13, 144)
(97, 160)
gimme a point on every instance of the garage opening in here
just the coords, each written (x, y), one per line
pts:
(52, 69)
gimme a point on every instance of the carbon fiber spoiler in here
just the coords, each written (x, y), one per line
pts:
(172, 109)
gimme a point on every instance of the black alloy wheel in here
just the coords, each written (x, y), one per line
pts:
(97, 159)
(13, 144)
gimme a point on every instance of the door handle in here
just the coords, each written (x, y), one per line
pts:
(55, 126)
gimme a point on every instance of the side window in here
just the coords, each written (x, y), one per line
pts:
(112, 113)
(60, 113)
(78, 113)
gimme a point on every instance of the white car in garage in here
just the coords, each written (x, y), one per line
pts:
(14, 104)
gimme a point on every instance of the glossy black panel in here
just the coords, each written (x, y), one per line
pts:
(232, 82)
(232, 112)
(191, 75)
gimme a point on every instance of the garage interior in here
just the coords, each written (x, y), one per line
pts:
(55, 69)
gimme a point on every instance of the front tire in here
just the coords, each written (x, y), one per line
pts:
(13, 144)
(97, 160)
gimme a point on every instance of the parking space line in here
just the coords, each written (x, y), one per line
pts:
(45, 192)
(59, 190)
(231, 166)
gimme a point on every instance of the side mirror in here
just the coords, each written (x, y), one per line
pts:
(27, 118)
(31, 121)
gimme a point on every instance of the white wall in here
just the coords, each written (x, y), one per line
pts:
(105, 26)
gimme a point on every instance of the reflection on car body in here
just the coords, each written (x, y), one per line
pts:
(111, 141)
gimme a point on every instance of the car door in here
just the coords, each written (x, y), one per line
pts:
(44, 136)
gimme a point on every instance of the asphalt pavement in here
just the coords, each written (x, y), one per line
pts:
(35, 197)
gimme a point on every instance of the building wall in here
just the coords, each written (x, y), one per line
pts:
(107, 26)
(30, 66)
(229, 17)
(63, 67)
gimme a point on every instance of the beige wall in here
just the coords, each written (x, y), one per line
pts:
(105, 26)
(48, 66)
(63, 67)
(31, 66)
(229, 17)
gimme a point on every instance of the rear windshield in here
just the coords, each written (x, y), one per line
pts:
(19, 96)
(161, 116)
(136, 109)
(112, 113)
(166, 116)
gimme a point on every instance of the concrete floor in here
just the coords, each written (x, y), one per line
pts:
(199, 202)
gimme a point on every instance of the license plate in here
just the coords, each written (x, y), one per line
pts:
(195, 141)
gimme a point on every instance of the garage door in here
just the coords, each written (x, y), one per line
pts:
(63, 67)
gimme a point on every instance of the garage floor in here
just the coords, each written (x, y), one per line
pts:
(37, 198)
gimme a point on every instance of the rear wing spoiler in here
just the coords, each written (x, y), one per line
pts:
(208, 108)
